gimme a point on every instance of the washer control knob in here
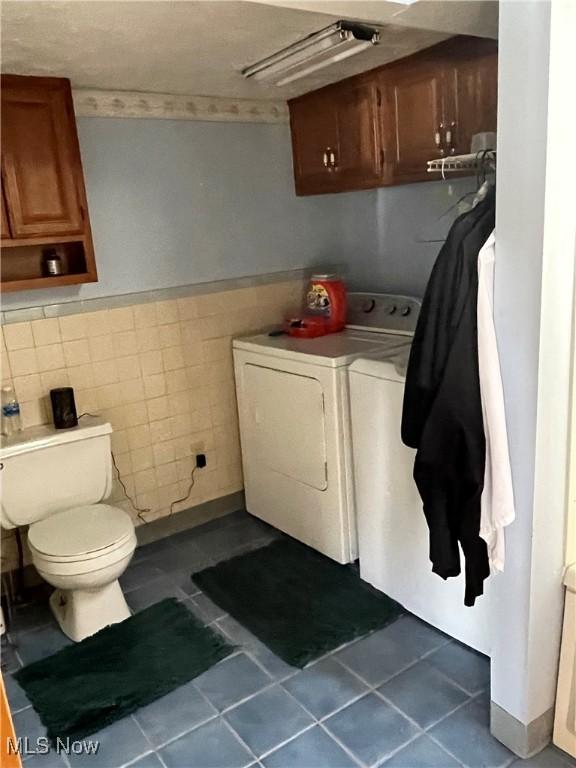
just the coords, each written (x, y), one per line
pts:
(369, 307)
(405, 311)
(392, 309)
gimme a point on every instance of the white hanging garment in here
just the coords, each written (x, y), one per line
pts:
(497, 503)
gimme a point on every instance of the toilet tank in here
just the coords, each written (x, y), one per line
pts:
(45, 470)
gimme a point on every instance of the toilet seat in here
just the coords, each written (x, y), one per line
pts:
(81, 533)
(81, 540)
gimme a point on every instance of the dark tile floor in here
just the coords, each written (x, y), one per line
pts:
(403, 697)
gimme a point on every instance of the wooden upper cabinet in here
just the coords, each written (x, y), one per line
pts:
(472, 94)
(314, 142)
(44, 206)
(383, 126)
(360, 156)
(336, 138)
(412, 118)
(40, 157)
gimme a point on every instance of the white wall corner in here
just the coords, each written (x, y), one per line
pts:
(164, 106)
(551, 481)
(534, 305)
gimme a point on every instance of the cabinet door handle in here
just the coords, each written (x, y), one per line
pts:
(325, 158)
(438, 138)
(450, 137)
(332, 159)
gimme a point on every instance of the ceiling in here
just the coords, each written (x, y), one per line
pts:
(200, 47)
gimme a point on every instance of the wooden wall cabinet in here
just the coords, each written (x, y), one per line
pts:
(336, 138)
(359, 152)
(471, 92)
(43, 195)
(314, 142)
(412, 118)
(380, 128)
(436, 101)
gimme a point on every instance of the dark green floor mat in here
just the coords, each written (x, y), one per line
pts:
(91, 684)
(296, 601)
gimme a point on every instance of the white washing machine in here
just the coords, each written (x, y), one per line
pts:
(293, 405)
(392, 530)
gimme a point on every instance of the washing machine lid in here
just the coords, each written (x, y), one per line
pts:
(389, 366)
(333, 350)
(81, 531)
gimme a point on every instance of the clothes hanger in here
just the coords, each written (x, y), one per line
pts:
(453, 207)
(483, 185)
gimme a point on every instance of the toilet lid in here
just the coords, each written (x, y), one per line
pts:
(80, 531)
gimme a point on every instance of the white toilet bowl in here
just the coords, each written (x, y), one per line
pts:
(54, 480)
(82, 551)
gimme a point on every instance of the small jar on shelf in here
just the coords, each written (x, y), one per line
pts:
(51, 263)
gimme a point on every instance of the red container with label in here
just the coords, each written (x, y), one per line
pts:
(325, 310)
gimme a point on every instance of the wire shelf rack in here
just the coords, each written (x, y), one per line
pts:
(484, 161)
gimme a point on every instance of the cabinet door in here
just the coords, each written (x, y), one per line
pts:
(5, 228)
(413, 114)
(41, 160)
(359, 154)
(314, 137)
(472, 95)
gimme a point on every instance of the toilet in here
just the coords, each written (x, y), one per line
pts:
(54, 481)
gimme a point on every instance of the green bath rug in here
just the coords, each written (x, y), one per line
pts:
(91, 684)
(296, 601)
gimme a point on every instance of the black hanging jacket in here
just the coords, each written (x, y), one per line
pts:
(442, 413)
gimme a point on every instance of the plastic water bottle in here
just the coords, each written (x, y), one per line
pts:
(11, 422)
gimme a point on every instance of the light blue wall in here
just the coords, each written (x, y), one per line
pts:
(178, 202)
(407, 226)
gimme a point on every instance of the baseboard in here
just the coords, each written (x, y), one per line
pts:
(525, 740)
(189, 518)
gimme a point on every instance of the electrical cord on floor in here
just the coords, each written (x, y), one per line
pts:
(140, 511)
(20, 571)
(188, 492)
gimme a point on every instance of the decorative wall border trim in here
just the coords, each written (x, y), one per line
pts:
(94, 103)
(161, 294)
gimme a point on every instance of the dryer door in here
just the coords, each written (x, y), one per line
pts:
(286, 430)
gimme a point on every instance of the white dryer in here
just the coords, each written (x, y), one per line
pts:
(293, 406)
(392, 531)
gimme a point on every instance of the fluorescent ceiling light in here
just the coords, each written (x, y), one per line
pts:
(318, 50)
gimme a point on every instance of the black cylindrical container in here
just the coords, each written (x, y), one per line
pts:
(63, 408)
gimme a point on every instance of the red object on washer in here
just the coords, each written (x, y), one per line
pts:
(325, 310)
